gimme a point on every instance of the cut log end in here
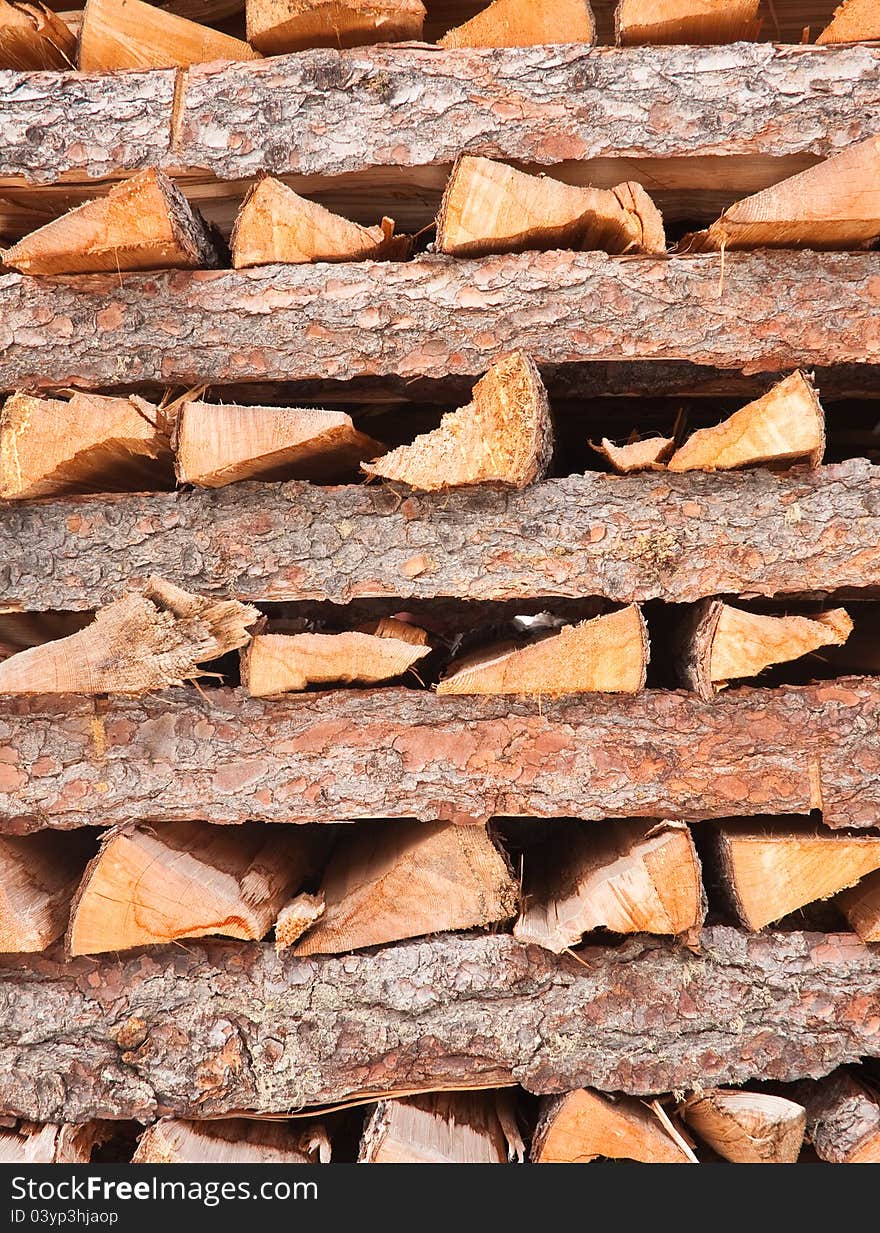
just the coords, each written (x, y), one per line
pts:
(639, 22)
(582, 1126)
(510, 23)
(747, 1127)
(283, 663)
(129, 34)
(441, 1128)
(861, 906)
(32, 37)
(39, 874)
(231, 1141)
(276, 26)
(855, 21)
(649, 454)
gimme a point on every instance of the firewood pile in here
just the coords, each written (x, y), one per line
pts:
(440, 581)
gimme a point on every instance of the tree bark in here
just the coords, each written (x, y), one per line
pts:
(397, 753)
(223, 1029)
(678, 538)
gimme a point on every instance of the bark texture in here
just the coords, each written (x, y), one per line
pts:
(435, 316)
(398, 753)
(221, 1029)
(629, 539)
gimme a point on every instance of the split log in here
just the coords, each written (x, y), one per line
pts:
(770, 872)
(296, 917)
(218, 444)
(786, 424)
(38, 876)
(747, 1127)
(627, 877)
(835, 205)
(861, 906)
(144, 223)
(854, 21)
(843, 1119)
(185, 880)
(686, 21)
(642, 455)
(387, 882)
(581, 1126)
(489, 207)
(275, 224)
(275, 26)
(51, 1144)
(721, 643)
(503, 436)
(275, 664)
(233, 1141)
(51, 447)
(657, 754)
(607, 654)
(33, 37)
(213, 1030)
(509, 23)
(129, 34)
(440, 1128)
(146, 640)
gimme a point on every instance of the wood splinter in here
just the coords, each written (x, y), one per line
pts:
(276, 225)
(276, 26)
(701, 22)
(32, 37)
(855, 21)
(296, 917)
(144, 223)
(51, 1143)
(503, 436)
(149, 639)
(443, 1128)
(581, 1126)
(39, 874)
(230, 1141)
(627, 877)
(721, 643)
(606, 654)
(489, 207)
(510, 23)
(642, 455)
(129, 34)
(747, 1127)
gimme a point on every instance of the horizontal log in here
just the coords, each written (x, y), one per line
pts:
(207, 1030)
(437, 315)
(396, 753)
(676, 537)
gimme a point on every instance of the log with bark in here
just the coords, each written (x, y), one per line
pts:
(130, 34)
(747, 1127)
(275, 26)
(38, 877)
(275, 664)
(843, 1119)
(50, 1143)
(223, 1029)
(581, 1126)
(172, 1141)
(442, 1128)
(853, 21)
(686, 21)
(33, 37)
(509, 23)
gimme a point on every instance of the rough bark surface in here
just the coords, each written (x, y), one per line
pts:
(677, 538)
(397, 753)
(435, 316)
(217, 1029)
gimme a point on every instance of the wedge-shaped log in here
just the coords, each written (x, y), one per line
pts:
(510, 23)
(581, 1126)
(218, 444)
(628, 877)
(686, 21)
(440, 1128)
(147, 640)
(232, 1141)
(773, 871)
(843, 1119)
(400, 880)
(721, 643)
(281, 663)
(606, 654)
(647, 455)
(275, 26)
(861, 906)
(33, 37)
(503, 436)
(747, 1127)
(38, 877)
(129, 34)
(489, 207)
(855, 21)
(50, 1143)
(144, 223)
(51, 447)
(148, 887)
(834, 205)
(786, 424)
(276, 225)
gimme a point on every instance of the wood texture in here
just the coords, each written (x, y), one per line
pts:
(641, 455)
(581, 1126)
(509, 23)
(853, 20)
(283, 663)
(129, 34)
(275, 26)
(439, 1128)
(223, 1029)
(747, 1127)
(230, 1141)
(400, 753)
(33, 37)
(686, 21)
(861, 906)
(50, 1143)
(38, 876)
(843, 1119)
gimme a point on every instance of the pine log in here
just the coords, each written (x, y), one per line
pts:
(147, 640)
(275, 664)
(129, 34)
(439, 1128)
(686, 21)
(772, 870)
(219, 1029)
(509, 23)
(747, 1127)
(296, 917)
(627, 877)
(581, 1126)
(233, 1141)
(33, 37)
(853, 21)
(38, 876)
(721, 643)
(676, 537)
(503, 436)
(51, 447)
(387, 882)
(220, 444)
(149, 887)
(835, 205)
(489, 207)
(144, 223)
(31, 1143)
(786, 424)
(861, 906)
(275, 26)
(275, 224)
(607, 654)
(641, 455)
(657, 754)
(843, 1119)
